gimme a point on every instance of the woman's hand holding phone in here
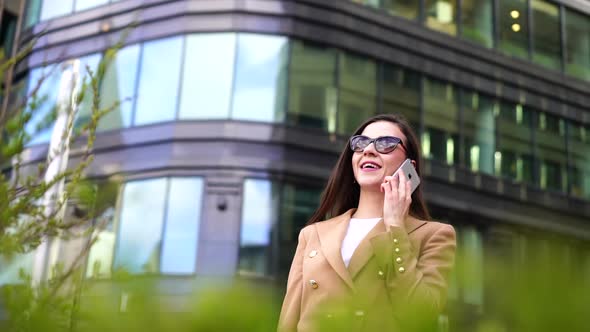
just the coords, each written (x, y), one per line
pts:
(397, 199)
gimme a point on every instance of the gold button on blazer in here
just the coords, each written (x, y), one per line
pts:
(397, 278)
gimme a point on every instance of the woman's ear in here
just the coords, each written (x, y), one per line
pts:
(413, 163)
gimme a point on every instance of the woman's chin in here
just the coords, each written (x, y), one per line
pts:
(370, 186)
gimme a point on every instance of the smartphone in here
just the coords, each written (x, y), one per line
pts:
(410, 173)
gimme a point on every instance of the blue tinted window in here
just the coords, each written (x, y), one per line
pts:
(55, 8)
(179, 248)
(158, 228)
(261, 76)
(10, 268)
(44, 83)
(140, 226)
(86, 4)
(259, 210)
(81, 66)
(208, 76)
(33, 9)
(158, 82)
(118, 85)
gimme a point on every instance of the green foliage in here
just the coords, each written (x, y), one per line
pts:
(33, 205)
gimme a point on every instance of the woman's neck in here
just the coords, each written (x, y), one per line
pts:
(370, 205)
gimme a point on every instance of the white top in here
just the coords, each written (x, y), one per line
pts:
(357, 230)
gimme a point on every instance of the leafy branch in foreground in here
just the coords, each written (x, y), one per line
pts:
(35, 195)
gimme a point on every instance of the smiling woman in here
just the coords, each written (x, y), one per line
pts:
(377, 262)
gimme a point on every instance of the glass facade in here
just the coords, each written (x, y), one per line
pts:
(535, 36)
(44, 84)
(400, 91)
(157, 93)
(118, 88)
(405, 8)
(479, 129)
(441, 15)
(440, 140)
(309, 86)
(207, 79)
(546, 34)
(513, 158)
(259, 219)
(163, 241)
(313, 97)
(577, 44)
(579, 145)
(477, 22)
(48, 84)
(10, 268)
(357, 93)
(85, 107)
(42, 10)
(476, 25)
(551, 146)
(7, 31)
(273, 213)
(513, 28)
(261, 77)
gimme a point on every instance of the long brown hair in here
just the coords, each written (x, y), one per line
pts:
(342, 192)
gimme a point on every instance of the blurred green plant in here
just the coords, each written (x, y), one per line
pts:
(34, 199)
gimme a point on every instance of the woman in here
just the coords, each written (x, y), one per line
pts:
(377, 263)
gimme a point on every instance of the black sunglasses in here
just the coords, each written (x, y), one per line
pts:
(383, 144)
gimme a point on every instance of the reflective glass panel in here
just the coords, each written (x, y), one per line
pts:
(118, 86)
(10, 268)
(405, 8)
(158, 81)
(551, 151)
(100, 258)
(55, 8)
(546, 34)
(45, 84)
(401, 93)
(357, 94)
(7, 33)
(261, 78)
(579, 144)
(513, 27)
(298, 204)
(312, 88)
(179, 246)
(479, 131)
(86, 4)
(476, 21)
(441, 141)
(514, 152)
(577, 43)
(33, 11)
(84, 82)
(259, 216)
(207, 76)
(140, 233)
(441, 15)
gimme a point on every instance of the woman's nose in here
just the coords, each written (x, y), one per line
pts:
(370, 149)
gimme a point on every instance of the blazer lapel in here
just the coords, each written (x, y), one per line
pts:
(331, 234)
(366, 249)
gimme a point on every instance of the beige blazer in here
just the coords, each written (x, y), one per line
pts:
(396, 280)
